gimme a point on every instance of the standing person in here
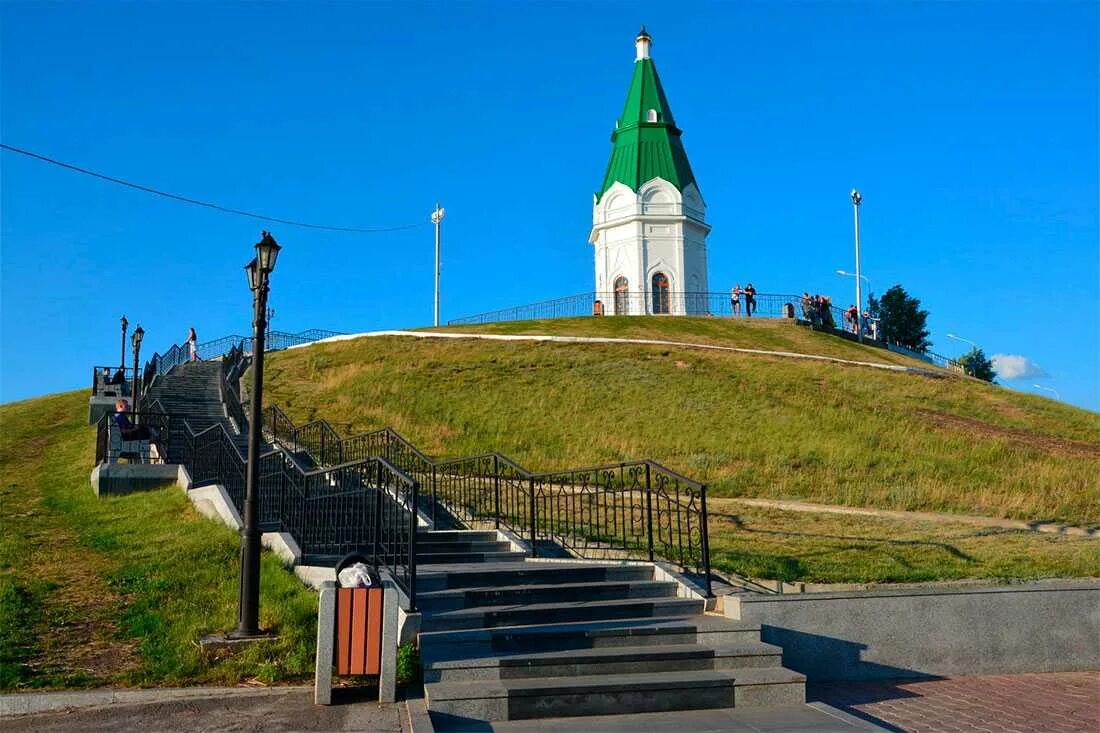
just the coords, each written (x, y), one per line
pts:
(735, 299)
(750, 300)
(193, 343)
(807, 307)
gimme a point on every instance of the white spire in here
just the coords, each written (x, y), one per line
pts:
(642, 43)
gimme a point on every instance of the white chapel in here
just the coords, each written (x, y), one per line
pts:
(649, 225)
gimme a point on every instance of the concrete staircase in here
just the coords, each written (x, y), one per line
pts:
(192, 391)
(507, 639)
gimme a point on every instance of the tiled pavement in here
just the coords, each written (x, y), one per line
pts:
(1067, 701)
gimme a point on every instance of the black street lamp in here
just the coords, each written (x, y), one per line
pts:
(122, 359)
(248, 608)
(135, 340)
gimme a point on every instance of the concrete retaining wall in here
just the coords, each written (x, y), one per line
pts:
(1031, 627)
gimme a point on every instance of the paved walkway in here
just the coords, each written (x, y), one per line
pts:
(214, 709)
(929, 372)
(1064, 702)
(803, 506)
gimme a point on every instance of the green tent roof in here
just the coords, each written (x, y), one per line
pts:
(642, 150)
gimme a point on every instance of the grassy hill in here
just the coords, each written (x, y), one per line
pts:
(748, 425)
(118, 590)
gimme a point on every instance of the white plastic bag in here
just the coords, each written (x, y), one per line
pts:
(355, 576)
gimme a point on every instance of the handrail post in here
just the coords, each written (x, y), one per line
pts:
(705, 536)
(412, 546)
(435, 497)
(649, 513)
(377, 511)
(531, 514)
(496, 491)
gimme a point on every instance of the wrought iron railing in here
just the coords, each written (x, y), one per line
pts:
(233, 364)
(364, 505)
(658, 302)
(149, 428)
(273, 341)
(825, 316)
(627, 510)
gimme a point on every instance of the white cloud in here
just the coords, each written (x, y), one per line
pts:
(1017, 366)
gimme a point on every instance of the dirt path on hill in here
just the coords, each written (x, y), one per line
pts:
(1049, 443)
(802, 506)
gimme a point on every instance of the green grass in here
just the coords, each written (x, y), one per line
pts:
(747, 425)
(829, 548)
(118, 590)
(765, 334)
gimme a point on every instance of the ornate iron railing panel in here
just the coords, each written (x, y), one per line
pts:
(638, 509)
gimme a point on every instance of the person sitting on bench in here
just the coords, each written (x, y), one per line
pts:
(129, 431)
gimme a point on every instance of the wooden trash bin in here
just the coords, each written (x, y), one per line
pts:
(358, 631)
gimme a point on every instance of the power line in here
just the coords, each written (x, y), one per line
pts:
(196, 202)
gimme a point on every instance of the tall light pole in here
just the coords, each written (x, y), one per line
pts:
(248, 602)
(135, 340)
(1048, 389)
(122, 359)
(852, 274)
(437, 219)
(857, 199)
(965, 341)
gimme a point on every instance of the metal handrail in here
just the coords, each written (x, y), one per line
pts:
(494, 488)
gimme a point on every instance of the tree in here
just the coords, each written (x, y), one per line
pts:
(903, 320)
(977, 364)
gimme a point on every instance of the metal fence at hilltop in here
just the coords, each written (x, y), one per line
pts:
(825, 317)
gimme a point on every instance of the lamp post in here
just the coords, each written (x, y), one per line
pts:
(437, 219)
(1048, 389)
(852, 274)
(248, 607)
(135, 340)
(857, 199)
(122, 358)
(965, 341)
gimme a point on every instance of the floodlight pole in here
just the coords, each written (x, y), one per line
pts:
(857, 199)
(437, 219)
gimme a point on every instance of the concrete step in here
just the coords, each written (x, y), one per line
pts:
(685, 629)
(521, 699)
(431, 547)
(466, 557)
(526, 573)
(602, 661)
(458, 535)
(450, 600)
(542, 613)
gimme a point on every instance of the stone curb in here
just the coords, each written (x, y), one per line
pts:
(27, 703)
(846, 717)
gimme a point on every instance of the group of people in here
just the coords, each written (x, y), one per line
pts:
(119, 377)
(818, 310)
(748, 293)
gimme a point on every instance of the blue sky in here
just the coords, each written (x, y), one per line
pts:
(971, 129)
